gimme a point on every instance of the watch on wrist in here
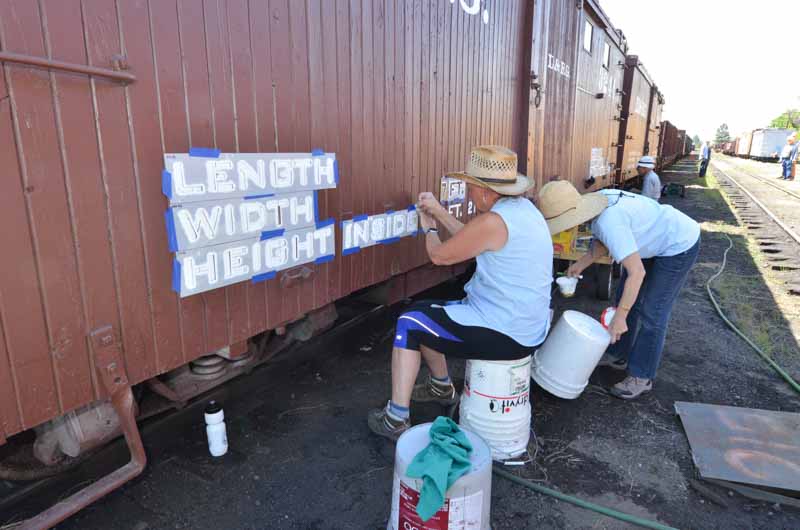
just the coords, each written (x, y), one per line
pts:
(427, 231)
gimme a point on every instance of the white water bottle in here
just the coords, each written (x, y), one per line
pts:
(215, 429)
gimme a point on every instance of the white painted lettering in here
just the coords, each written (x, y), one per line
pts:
(303, 166)
(301, 207)
(378, 229)
(233, 262)
(324, 170)
(247, 174)
(281, 173)
(253, 216)
(182, 188)
(360, 233)
(192, 270)
(304, 243)
(217, 176)
(201, 222)
(230, 220)
(276, 252)
(322, 235)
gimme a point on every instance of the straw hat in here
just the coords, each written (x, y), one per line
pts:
(494, 167)
(563, 207)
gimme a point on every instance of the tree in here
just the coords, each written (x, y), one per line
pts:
(696, 140)
(723, 135)
(788, 120)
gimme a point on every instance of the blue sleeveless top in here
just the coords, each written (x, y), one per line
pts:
(510, 290)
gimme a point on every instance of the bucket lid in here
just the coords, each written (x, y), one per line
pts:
(417, 438)
(586, 325)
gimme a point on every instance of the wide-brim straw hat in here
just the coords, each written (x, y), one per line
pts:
(494, 167)
(563, 207)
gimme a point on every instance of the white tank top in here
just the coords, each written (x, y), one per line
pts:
(510, 290)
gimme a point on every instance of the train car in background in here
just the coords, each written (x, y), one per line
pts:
(669, 147)
(599, 74)
(743, 147)
(641, 106)
(767, 143)
(688, 145)
(729, 148)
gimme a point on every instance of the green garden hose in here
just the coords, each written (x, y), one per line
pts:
(622, 516)
(770, 361)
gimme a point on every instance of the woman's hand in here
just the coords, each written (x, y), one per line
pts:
(618, 326)
(426, 221)
(427, 203)
(576, 269)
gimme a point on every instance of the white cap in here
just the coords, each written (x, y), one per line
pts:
(647, 161)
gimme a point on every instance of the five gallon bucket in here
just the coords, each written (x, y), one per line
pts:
(568, 357)
(496, 405)
(467, 504)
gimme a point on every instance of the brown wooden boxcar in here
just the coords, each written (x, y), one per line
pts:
(641, 115)
(601, 51)
(670, 148)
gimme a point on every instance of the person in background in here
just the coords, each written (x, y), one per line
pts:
(705, 158)
(651, 184)
(789, 156)
(506, 313)
(656, 245)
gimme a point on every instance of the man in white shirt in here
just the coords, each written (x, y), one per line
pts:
(651, 184)
(705, 158)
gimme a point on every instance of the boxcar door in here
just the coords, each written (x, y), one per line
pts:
(552, 90)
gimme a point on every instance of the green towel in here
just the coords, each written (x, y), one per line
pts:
(440, 464)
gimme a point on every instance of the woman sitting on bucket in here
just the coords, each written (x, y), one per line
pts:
(506, 313)
(656, 245)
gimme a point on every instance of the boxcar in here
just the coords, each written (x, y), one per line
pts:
(745, 141)
(600, 71)
(641, 104)
(668, 148)
(767, 143)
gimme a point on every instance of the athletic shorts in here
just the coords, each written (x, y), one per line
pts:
(426, 323)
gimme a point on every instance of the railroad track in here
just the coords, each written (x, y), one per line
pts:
(778, 241)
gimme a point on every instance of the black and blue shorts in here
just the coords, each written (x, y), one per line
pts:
(426, 323)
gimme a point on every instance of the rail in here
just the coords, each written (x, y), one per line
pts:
(52, 64)
(766, 181)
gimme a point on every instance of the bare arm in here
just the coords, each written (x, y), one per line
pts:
(597, 251)
(427, 203)
(634, 269)
(485, 232)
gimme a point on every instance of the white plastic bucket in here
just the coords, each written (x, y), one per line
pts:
(496, 405)
(568, 357)
(467, 504)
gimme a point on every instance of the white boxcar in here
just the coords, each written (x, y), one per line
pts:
(767, 143)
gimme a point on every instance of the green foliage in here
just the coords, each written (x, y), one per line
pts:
(696, 140)
(788, 120)
(723, 134)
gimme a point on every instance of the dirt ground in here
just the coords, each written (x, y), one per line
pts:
(302, 457)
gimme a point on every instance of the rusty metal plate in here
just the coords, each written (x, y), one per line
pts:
(751, 446)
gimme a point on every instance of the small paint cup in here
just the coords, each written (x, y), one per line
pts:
(567, 286)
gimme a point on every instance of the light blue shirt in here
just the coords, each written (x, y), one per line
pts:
(652, 185)
(634, 223)
(510, 290)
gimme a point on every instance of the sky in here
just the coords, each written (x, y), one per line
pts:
(714, 61)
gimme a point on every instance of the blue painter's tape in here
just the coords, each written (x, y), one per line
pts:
(176, 275)
(205, 152)
(166, 183)
(388, 212)
(411, 208)
(326, 222)
(317, 152)
(262, 196)
(388, 241)
(415, 232)
(324, 259)
(172, 237)
(263, 277)
(348, 251)
(269, 234)
(362, 217)
(336, 172)
(316, 205)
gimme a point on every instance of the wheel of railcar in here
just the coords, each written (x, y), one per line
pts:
(604, 280)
